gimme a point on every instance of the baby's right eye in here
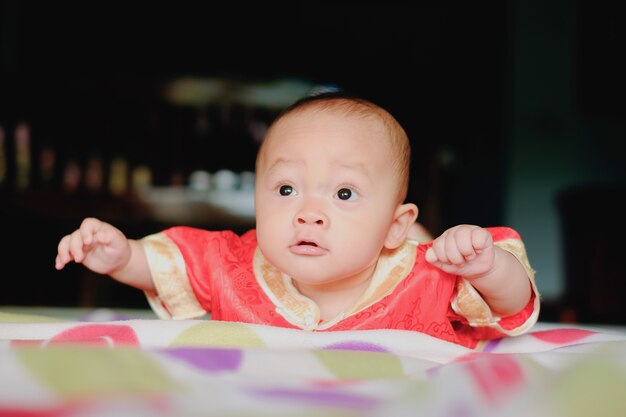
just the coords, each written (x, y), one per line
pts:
(286, 190)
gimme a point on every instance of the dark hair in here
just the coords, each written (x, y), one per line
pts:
(321, 96)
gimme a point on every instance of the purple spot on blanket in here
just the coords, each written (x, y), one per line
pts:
(357, 345)
(318, 397)
(491, 345)
(208, 359)
(459, 409)
(431, 372)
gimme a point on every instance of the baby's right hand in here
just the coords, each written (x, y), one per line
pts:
(99, 246)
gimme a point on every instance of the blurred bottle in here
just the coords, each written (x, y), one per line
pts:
(71, 176)
(47, 165)
(200, 180)
(94, 174)
(22, 155)
(141, 178)
(118, 176)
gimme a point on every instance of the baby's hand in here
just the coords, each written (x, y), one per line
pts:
(464, 250)
(98, 245)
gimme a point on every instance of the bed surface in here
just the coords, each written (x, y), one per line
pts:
(72, 362)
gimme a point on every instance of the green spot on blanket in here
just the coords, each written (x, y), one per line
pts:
(360, 365)
(74, 371)
(26, 318)
(219, 334)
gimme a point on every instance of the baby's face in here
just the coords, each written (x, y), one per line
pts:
(325, 196)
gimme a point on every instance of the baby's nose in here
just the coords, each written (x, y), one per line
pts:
(303, 220)
(312, 217)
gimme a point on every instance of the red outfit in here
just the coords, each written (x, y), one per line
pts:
(198, 271)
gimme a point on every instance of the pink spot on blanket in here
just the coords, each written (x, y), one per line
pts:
(562, 336)
(496, 375)
(357, 345)
(20, 343)
(334, 383)
(97, 334)
(208, 359)
(151, 405)
(54, 411)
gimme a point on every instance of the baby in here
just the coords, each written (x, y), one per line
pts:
(330, 248)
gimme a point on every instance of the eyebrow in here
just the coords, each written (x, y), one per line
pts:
(283, 161)
(360, 167)
(358, 170)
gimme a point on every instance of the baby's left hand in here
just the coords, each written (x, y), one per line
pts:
(464, 250)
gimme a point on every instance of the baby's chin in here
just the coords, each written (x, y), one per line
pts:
(308, 276)
(320, 277)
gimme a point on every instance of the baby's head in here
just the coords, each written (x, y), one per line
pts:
(332, 175)
(355, 110)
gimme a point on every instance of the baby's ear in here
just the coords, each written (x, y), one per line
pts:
(403, 219)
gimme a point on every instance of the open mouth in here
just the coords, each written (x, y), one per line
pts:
(308, 248)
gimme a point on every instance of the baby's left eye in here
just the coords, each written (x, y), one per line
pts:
(347, 194)
(287, 190)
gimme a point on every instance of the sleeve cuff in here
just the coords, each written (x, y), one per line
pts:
(174, 298)
(469, 304)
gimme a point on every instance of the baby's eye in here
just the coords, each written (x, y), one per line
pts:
(347, 194)
(287, 190)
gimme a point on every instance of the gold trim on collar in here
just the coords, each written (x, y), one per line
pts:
(392, 267)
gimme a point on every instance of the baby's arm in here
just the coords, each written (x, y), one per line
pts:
(104, 249)
(468, 251)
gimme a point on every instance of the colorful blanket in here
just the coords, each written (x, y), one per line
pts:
(147, 367)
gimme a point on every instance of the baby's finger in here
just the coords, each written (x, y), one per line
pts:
(481, 238)
(453, 253)
(88, 228)
(63, 255)
(464, 244)
(59, 263)
(76, 246)
(431, 256)
(438, 250)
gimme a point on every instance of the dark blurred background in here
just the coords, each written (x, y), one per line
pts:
(515, 110)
